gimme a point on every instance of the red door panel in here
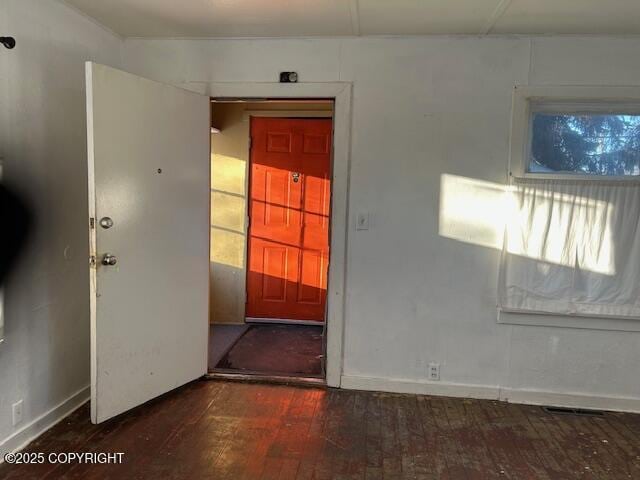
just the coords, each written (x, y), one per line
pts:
(290, 194)
(274, 276)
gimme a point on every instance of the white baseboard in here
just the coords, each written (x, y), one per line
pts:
(28, 433)
(574, 400)
(378, 384)
(512, 395)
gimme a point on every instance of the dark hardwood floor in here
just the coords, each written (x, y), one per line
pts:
(272, 349)
(226, 430)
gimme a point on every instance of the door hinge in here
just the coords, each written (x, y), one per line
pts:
(92, 260)
(92, 222)
(250, 142)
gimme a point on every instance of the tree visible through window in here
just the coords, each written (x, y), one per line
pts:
(585, 143)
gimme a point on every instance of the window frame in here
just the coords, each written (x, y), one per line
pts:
(567, 99)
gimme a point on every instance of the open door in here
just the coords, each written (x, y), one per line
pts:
(148, 152)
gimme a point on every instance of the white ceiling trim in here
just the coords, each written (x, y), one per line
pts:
(500, 10)
(634, 36)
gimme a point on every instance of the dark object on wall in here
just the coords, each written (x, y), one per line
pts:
(8, 42)
(288, 77)
(16, 221)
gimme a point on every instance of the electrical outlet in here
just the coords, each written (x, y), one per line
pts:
(17, 412)
(434, 371)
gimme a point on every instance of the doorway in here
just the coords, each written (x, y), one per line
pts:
(270, 236)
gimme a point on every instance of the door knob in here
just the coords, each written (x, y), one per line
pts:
(296, 176)
(106, 222)
(109, 259)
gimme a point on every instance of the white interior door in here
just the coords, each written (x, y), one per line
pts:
(149, 173)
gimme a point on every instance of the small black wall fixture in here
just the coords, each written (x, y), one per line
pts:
(288, 77)
(8, 42)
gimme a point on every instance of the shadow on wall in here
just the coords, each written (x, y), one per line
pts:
(225, 306)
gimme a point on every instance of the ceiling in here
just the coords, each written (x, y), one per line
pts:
(284, 18)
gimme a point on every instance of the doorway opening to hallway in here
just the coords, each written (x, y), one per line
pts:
(271, 166)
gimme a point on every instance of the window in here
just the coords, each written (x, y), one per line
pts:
(566, 131)
(571, 239)
(586, 143)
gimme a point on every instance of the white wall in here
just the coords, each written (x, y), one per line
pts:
(422, 108)
(44, 359)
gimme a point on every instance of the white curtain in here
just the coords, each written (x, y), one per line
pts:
(572, 247)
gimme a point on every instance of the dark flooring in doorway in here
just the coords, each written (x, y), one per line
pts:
(221, 339)
(293, 350)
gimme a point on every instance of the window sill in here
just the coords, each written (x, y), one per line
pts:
(568, 321)
(577, 176)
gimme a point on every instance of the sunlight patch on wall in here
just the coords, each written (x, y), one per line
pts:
(552, 227)
(473, 211)
(228, 174)
(227, 248)
(228, 211)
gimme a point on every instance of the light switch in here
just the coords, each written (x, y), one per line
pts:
(362, 221)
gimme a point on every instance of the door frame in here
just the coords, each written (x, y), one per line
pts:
(340, 92)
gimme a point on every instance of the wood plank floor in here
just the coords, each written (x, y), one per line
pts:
(225, 430)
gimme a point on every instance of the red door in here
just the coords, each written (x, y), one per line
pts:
(290, 191)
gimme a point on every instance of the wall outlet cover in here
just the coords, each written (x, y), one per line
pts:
(17, 412)
(434, 371)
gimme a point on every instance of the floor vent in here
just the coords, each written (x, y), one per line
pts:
(573, 411)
